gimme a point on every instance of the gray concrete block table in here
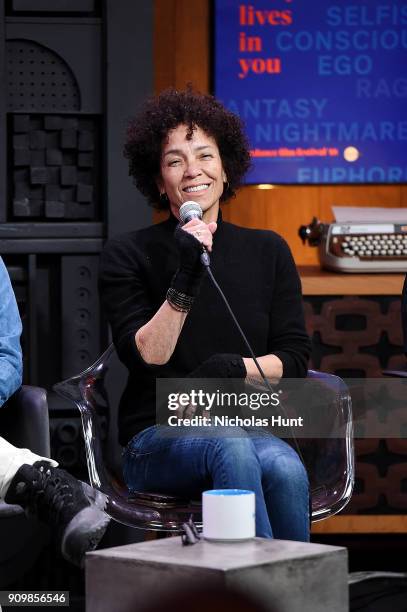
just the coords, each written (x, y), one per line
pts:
(283, 576)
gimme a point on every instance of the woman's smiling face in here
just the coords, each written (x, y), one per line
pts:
(191, 169)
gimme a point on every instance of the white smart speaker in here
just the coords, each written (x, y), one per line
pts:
(228, 514)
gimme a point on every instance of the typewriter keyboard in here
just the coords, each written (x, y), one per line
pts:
(374, 246)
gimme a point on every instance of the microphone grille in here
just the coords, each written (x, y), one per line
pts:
(190, 210)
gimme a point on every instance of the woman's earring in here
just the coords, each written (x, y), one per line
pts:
(164, 198)
(225, 182)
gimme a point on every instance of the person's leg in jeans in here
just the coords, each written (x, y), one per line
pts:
(285, 488)
(198, 460)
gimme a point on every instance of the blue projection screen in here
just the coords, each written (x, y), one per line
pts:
(320, 85)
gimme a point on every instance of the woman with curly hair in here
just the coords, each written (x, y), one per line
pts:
(168, 321)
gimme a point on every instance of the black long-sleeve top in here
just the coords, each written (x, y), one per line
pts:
(257, 273)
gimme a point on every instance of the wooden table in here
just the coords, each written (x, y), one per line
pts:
(321, 282)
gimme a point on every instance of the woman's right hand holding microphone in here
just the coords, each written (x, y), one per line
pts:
(190, 239)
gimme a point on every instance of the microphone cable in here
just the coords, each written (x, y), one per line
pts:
(206, 262)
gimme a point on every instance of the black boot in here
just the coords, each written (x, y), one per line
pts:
(58, 499)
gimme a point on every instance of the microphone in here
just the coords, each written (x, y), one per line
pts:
(188, 211)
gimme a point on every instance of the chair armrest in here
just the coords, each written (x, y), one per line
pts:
(395, 373)
(24, 420)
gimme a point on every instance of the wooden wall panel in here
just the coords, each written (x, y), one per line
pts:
(282, 209)
(192, 56)
(182, 55)
(181, 44)
(164, 44)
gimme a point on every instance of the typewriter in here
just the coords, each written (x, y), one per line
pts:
(359, 247)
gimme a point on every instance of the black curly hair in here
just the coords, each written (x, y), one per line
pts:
(149, 129)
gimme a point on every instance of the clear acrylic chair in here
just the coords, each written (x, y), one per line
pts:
(329, 461)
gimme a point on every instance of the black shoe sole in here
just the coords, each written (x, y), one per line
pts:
(83, 533)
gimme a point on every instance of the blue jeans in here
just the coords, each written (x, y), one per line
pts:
(11, 366)
(188, 464)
